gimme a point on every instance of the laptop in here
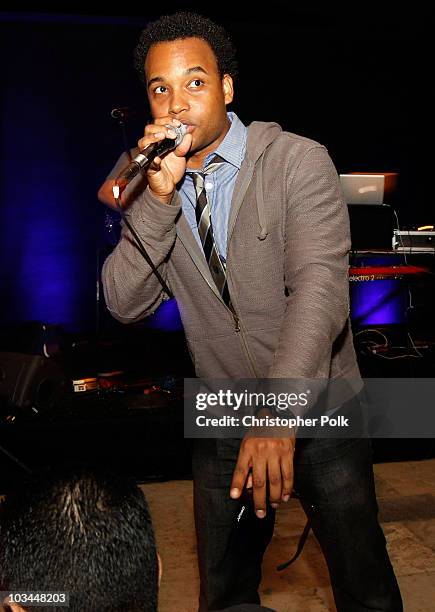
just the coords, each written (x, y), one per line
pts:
(363, 188)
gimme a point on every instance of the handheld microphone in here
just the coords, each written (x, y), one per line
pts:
(145, 156)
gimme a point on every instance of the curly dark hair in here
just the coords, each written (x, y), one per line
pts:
(187, 25)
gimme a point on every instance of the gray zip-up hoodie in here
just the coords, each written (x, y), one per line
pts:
(287, 268)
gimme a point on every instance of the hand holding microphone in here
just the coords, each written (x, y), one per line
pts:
(163, 173)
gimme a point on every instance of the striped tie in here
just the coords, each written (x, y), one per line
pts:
(205, 229)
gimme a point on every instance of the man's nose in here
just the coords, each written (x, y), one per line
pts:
(178, 103)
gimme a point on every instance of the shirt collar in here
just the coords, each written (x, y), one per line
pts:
(233, 147)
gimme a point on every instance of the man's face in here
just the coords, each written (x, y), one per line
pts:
(184, 83)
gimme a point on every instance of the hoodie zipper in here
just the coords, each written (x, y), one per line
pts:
(246, 347)
(239, 330)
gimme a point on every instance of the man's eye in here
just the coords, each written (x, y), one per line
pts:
(160, 89)
(196, 83)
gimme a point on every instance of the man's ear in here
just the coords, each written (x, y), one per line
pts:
(228, 88)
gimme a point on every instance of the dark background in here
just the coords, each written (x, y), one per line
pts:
(356, 78)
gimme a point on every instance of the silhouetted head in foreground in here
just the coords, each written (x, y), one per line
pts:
(85, 533)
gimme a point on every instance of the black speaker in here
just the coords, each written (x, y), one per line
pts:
(32, 382)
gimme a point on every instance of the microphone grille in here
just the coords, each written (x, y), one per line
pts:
(180, 130)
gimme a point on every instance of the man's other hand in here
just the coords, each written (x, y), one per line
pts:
(264, 461)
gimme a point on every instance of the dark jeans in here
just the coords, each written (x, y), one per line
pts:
(334, 480)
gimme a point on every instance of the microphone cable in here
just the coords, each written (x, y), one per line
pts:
(141, 247)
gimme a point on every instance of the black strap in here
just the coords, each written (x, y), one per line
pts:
(299, 549)
(142, 250)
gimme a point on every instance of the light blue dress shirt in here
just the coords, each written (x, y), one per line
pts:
(219, 184)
